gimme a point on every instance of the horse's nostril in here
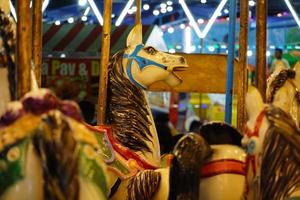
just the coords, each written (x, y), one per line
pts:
(182, 60)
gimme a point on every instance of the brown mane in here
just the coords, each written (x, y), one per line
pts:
(279, 81)
(127, 109)
(281, 156)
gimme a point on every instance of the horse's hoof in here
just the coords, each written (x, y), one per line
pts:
(191, 150)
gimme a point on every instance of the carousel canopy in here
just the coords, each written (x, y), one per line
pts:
(80, 37)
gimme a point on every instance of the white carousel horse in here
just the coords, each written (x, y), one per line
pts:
(135, 169)
(273, 148)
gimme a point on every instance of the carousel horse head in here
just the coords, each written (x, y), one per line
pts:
(270, 136)
(145, 65)
(283, 91)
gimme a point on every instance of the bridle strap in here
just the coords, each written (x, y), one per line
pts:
(251, 159)
(258, 123)
(141, 62)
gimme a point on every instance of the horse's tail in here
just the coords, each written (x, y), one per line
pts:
(280, 173)
(190, 153)
(56, 147)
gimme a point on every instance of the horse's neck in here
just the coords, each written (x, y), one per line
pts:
(262, 126)
(252, 122)
(253, 110)
(152, 156)
(285, 99)
(257, 109)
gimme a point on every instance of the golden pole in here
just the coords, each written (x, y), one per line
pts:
(138, 18)
(242, 81)
(37, 39)
(261, 43)
(104, 61)
(23, 53)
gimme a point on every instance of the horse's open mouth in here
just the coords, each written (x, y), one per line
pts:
(179, 68)
(174, 80)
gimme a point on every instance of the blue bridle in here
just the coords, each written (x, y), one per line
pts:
(141, 61)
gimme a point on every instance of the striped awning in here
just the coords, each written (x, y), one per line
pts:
(80, 37)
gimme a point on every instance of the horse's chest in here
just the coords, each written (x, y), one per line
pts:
(12, 164)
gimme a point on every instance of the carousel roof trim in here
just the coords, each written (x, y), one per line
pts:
(211, 21)
(292, 10)
(86, 38)
(124, 12)
(96, 11)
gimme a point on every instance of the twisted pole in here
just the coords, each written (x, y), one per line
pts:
(138, 14)
(37, 39)
(242, 81)
(23, 53)
(261, 46)
(104, 61)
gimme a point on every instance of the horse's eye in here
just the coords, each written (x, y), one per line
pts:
(150, 50)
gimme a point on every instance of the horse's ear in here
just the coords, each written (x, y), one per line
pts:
(135, 36)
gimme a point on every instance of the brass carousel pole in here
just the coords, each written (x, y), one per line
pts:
(104, 61)
(261, 43)
(242, 81)
(23, 53)
(37, 39)
(138, 18)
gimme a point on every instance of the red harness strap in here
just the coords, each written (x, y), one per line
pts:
(123, 151)
(223, 166)
(251, 159)
(258, 123)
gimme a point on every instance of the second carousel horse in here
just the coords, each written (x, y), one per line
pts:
(135, 168)
(273, 148)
